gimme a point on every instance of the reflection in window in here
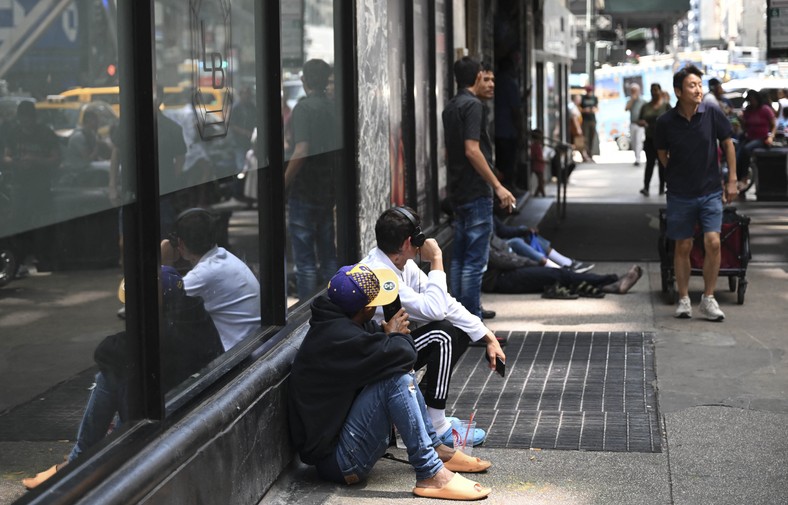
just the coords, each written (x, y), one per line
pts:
(208, 167)
(59, 226)
(312, 142)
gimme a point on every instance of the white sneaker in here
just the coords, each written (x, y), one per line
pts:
(684, 308)
(710, 309)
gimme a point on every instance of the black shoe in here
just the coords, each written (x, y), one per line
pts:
(644, 192)
(559, 292)
(637, 163)
(488, 314)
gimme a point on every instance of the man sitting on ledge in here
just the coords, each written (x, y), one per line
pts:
(351, 380)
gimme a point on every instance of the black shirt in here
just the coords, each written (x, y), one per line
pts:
(314, 122)
(588, 101)
(464, 119)
(693, 167)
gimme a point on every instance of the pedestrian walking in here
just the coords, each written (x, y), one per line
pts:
(686, 141)
(636, 132)
(648, 120)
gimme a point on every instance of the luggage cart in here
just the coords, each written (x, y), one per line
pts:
(734, 254)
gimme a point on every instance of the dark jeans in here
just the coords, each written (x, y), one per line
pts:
(744, 155)
(440, 345)
(473, 225)
(365, 436)
(651, 160)
(311, 228)
(106, 399)
(535, 279)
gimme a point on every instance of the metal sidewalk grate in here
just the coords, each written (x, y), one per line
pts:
(564, 390)
(52, 415)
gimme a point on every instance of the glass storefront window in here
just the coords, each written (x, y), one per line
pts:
(312, 117)
(60, 254)
(208, 165)
(68, 185)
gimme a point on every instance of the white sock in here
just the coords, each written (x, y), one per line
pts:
(439, 422)
(559, 258)
(550, 263)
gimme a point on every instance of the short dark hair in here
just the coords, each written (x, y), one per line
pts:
(392, 228)
(196, 227)
(678, 77)
(316, 74)
(486, 67)
(755, 94)
(465, 71)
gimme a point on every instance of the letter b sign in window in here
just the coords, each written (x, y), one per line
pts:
(212, 71)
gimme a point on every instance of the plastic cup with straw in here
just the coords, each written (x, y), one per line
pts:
(467, 431)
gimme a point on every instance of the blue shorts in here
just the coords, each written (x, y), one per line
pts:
(684, 212)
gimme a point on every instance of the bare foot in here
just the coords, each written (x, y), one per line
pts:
(444, 452)
(625, 282)
(630, 278)
(438, 480)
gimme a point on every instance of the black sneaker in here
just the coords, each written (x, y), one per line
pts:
(580, 267)
(488, 314)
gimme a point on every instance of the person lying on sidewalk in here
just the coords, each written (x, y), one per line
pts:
(445, 326)
(527, 242)
(352, 379)
(508, 272)
(189, 342)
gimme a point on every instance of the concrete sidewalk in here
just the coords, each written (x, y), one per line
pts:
(722, 388)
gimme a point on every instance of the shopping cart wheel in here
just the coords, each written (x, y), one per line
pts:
(732, 282)
(740, 292)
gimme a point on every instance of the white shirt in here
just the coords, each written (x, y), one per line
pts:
(230, 292)
(425, 297)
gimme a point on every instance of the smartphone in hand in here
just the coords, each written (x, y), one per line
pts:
(500, 366)
(391, 309)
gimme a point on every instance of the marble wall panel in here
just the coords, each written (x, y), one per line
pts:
(373, 117)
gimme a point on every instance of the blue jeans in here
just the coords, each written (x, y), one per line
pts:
(311, 228)
(105, 400)
(744, 155)
(365, 436)
(522, 248)
(473, 225)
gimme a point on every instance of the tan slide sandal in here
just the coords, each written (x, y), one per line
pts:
(461, 462)
(458, 488)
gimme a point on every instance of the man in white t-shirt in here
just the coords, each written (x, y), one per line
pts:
(441, 327)
(229, 289)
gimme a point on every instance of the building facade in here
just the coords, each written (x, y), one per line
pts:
(294, 125)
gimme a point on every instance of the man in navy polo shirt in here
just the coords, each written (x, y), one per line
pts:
(686, 142)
